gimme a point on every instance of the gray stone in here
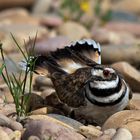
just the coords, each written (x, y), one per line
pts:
(122, 134)
(47, 129)
(73, 123)
(130, 74)
(5, 121)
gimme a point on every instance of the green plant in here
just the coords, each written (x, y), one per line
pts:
(74, 9)
(98, 11)
(77, 8)
(2, 67)
(18, 84)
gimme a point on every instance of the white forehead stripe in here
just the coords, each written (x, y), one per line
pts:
(99, 72)
(104, 84)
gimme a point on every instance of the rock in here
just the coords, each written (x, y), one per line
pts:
(5, 94)
(130, 27)
(5, 121)
(13, 3)
(48, 129)
(40, 111)
(129, 119)
(33, 138)
(17, 16)
(16, 135)
(104, 137)
(134, 105)
(20, 32)
(113, 37)
(7, 109)
(3, 135)
(73, 30)
(71, 122)
(131, 75)
(136, 96)
(50, 21)
(42, 82)
(91, 132)
(7, 130)
(127, 5)
(41, 6)
(50, 119)
(110, 132)
(47, 91)
(45, 45)
(122, 134)
(124, 16)
(128, 53)
(107, 134)
(134, 128)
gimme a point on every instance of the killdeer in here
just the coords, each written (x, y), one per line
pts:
(93, 91)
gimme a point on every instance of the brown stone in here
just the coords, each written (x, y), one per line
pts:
(40, 111)
(131, 75)
(136, 96)
(7, 109)
(129, 119)
(91, 132)
(13, 3)
(133, 28)
(134, 105)
(41, 6)
(116, 53)
(44, 45)
(127, 5)
(51, 21)
(5, 121)
(16, 135)
(105, 36)
(42, 81)
(17, 16)
(3, 135)
(73, 30)
(5, 94)
(20, 32)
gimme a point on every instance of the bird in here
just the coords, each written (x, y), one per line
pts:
(92, 91)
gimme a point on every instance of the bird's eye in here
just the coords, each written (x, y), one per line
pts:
(106, 73)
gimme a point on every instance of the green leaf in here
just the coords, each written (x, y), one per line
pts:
(1, 69)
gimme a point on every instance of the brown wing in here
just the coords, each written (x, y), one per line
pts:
(77, 55)
(70, 87)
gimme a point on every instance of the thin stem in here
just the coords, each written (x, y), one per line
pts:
(19, 47)
(7, 75)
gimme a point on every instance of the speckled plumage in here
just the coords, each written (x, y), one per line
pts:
(92, 91)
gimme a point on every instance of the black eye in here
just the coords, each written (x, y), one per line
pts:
(106, 73)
